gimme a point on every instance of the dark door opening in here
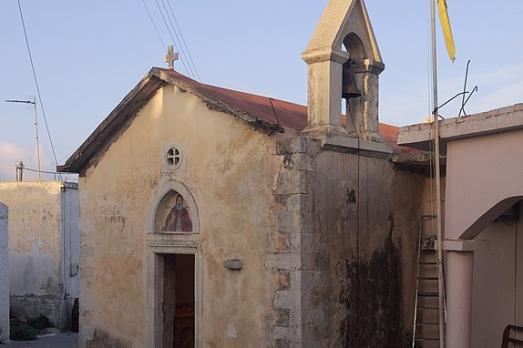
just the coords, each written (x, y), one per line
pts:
(178, 301)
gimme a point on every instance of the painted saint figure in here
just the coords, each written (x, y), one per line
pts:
(178, 219)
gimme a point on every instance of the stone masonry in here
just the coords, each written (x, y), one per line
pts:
(288, 244)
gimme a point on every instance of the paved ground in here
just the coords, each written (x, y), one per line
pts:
(60, 340)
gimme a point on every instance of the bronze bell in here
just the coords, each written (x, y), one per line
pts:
(349, 90)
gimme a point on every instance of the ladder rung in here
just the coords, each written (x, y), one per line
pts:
(427, 339)
(428, 294)
(426, 254)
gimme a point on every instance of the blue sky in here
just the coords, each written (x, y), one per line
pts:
(89, 54)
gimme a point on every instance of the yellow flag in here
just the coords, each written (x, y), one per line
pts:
(447, 30)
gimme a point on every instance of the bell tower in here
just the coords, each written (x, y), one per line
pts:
(344, 61)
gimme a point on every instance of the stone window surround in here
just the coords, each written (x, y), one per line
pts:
(174, 157)
(180, 167)
(158, 244)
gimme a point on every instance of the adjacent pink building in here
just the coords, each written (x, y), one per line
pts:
(482, 225)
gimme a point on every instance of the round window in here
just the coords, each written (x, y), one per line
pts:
(174, 157)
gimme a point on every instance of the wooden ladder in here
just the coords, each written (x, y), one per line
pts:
(425, 331)
(508, 341)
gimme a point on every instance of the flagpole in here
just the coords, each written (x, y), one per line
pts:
(435, 115)
(36, 139)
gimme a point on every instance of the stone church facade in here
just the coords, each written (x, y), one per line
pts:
(216, 218)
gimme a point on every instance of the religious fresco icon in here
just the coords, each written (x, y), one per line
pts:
(178, 219)
(173, 214)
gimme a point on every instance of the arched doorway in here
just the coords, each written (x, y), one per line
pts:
(173, 272)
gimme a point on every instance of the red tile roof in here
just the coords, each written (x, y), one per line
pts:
(264, 113)
(389, 134)
(284, 114)
(271, 110)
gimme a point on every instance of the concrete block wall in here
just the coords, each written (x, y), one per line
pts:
(4, 274)
(43, 249)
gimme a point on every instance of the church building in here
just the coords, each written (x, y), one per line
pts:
(217, 218)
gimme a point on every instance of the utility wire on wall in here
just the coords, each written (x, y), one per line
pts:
(37, 85)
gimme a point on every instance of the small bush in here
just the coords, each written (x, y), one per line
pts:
(28, 330)
(41, 322)
(23, 333)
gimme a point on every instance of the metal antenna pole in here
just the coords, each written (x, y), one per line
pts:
(37, 140)
(33, 102)
(435, 114)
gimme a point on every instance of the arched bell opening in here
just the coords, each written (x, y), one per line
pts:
(351, 87)
(353, 45)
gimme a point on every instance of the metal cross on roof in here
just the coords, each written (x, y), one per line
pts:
(171, 57)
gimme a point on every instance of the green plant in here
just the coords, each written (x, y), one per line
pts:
(41, 322)
(27, 331)
(23, 333)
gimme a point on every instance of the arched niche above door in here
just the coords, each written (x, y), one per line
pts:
(175, 210)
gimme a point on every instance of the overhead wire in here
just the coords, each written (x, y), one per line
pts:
(178, 40)
(37, 85)
(189, 56)
(172, 37)
(274, 112)
(175, 33)
(154, 24)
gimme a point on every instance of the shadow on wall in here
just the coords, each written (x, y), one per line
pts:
(372, 299)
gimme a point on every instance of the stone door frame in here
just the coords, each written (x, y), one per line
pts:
(159, 245)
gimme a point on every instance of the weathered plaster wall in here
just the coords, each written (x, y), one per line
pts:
(361, 252)
(4, 273)
(229, 173)
(348, 226)
(39, 274)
